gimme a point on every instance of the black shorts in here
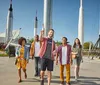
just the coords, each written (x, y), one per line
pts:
(47, 64)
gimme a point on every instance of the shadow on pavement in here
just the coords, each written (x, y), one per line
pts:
(86, 82)
(82, 80)
(31, 80)
(88, 78)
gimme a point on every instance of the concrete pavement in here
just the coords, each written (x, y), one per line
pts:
(89, 73)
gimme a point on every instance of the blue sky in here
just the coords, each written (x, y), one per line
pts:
(65, 17)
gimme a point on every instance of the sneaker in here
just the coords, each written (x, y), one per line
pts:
(42, 82)
(75, 80)
(62, 83)
(78, 76)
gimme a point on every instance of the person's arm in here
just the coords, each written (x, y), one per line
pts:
(42, 34)
(28, 54)
(57, 55)
(71, 59)
(70, 56)
(32, 50)
(17, 52)
(74, 53)
(54, 50)
(54, 46)
(82, 54)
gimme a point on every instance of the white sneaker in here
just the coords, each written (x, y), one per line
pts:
(76, 78)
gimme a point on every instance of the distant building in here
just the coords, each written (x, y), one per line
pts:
(15, 33)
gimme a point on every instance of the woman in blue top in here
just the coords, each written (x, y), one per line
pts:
(22, 57)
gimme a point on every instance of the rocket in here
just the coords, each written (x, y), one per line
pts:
(47, 19)
(99, 32)
(81, 24)
(9, 27)
(35, 25)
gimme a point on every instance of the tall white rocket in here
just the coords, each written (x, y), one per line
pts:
(99, 22)
(47, 21)
(81, 23)
(9, 27)
(99, 32)
(35, 25)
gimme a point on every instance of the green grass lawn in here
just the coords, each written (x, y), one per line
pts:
(3, 54)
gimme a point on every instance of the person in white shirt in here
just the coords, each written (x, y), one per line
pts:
(64, 54)
(35, 47)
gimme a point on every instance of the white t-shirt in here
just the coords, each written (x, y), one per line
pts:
(37, 48)
(64, 55)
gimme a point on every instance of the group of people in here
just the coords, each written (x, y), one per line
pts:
(45, 52)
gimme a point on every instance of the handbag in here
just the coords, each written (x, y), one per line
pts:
(73, 55)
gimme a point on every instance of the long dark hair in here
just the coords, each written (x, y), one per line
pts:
(79, 43)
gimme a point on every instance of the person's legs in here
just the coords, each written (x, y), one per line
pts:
(49, 69)
(36, 66)
(78, 66)
(25, 74)
(49, 77)
(78, 69)
(19, 73)
(75, 72)
(43, 68)
(68, 73)
(42, 77)
(75, 61)
(39, 66)
(61, 73)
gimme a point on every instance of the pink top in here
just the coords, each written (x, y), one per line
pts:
(43, 48)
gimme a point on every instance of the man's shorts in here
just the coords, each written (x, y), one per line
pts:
(46, 64)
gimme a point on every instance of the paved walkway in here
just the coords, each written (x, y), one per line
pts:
(89, 73)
